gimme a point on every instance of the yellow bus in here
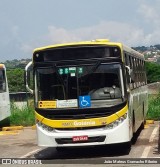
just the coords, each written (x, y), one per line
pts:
(4, 97)
(88, 93)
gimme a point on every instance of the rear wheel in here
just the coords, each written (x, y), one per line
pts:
(59, 149)
(127, 145)
(144, 121)
(134, 138)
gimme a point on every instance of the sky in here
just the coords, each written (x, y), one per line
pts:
(28, 24)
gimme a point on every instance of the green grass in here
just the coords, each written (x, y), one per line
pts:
(154, 107)
(23, 117)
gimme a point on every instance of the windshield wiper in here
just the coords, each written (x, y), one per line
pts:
(94, 67)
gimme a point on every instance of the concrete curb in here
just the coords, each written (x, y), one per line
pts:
(30, 127)
(146, 126)
(12, 128)
(149, 122)
(34, 127)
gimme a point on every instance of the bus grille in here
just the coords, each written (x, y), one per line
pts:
(81, 128)
(76, 116)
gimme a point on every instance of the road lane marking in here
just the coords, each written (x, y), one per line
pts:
(30, 153)
(153, 134)
(151, 139)
(146, 152)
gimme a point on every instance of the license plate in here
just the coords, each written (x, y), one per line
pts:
(79, 138)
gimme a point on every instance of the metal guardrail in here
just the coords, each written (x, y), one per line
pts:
(19, 96)
(21, 99)
(154, 88)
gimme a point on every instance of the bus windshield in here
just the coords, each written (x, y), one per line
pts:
(101, 82)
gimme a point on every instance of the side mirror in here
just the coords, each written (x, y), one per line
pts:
(130, 74)
(27, 77)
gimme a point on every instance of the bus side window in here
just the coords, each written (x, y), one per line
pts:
(2, 82)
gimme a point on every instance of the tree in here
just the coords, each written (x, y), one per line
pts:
(16, 80)
(153, 72)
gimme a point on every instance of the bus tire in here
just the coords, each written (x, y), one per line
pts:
(134, 137)
(144, 121)
(133, 123)
(127, 147)
(60, 149)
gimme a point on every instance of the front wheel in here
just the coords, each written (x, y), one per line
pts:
(127, 145)
(59, 149)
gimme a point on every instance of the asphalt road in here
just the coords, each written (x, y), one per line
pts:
(23, 145)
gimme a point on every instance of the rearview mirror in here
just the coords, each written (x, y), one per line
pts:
(130, 74)
(27, 77)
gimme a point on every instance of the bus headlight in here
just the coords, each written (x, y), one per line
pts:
(116, 123)
(45, 127)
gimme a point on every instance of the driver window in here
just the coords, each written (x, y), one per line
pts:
(104, 86)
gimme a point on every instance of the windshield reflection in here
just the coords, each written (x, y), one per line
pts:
(101, 82)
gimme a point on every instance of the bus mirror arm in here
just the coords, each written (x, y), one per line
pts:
(130, 74)
(128, 69)
(27, 77)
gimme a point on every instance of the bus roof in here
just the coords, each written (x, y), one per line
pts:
(132, 51)
(93, 42)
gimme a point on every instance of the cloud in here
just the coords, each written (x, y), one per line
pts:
(150, 12)
(115, 31)
(61, 35)
(20, 42)
(15, 30)
(112, 30)
(26, 48)
(126, 33)
(146, 33)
